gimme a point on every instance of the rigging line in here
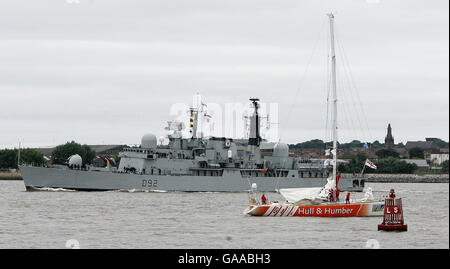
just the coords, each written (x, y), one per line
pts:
(279, 176)
(249, 184)
(355, 130)
(358, 128)
(352, 101)
(346, 113)
(328, 79)
(302, 78)
(328, 130)
(348, 105)
(327, 123)
(329, 120)
(345, 58)
(360, 104)
(342, 108)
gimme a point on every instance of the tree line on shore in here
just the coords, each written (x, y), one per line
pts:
(9, 157)
(387, 165)
(62, 152)
(320, 144)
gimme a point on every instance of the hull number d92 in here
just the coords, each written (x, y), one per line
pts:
(150, 183)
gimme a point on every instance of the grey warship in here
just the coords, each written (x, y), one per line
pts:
(193, 164)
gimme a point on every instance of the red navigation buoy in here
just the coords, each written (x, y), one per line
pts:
(393, 214)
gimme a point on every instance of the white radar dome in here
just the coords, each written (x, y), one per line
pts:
(149, 141)
(281, 150)
(75, 160)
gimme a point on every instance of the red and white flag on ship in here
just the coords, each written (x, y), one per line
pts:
(370, 164)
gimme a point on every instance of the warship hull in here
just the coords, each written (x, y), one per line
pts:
(230, 181)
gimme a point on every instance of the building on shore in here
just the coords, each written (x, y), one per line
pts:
(422, 165)
(389, 139)
(389, 143)
(428, 148)
(439, 158)
(425, 145)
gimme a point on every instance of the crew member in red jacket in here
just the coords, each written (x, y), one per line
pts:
(263, 199)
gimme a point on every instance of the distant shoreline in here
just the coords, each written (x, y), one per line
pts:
(407, 178)
(10, 176)
(378, 178)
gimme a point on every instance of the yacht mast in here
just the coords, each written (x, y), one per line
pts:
(333, 85)
(18, 156)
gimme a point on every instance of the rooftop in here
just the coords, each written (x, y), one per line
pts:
(420, 144)
(419, 163)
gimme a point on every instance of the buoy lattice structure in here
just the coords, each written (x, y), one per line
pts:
(393, 214)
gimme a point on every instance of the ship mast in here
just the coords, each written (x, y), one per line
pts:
(18, 156)
(193, 124)
(254, 137)
(333, 85)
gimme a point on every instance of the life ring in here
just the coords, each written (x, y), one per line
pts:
(227, 143)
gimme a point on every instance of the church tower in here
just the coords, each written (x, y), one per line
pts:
(389, 140)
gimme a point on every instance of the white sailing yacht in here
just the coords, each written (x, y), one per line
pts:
(321, 202)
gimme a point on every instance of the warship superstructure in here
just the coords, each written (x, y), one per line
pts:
(193, 164)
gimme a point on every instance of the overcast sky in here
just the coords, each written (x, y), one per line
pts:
(107, 72)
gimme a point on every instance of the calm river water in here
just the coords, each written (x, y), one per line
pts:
(52, 219)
